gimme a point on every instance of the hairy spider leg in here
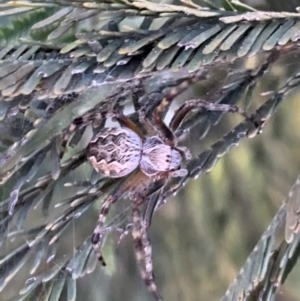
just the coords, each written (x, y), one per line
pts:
(180, 114)
(127, 122)
(98, 231)
(208, 106)
(116, 193)
(98, 118)
(157, 104)
(151, 101)
(143, 249)
(139, 183)
(77, 123)
(166, 134)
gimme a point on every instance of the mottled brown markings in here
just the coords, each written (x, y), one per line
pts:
(149, 161)
(115, 152)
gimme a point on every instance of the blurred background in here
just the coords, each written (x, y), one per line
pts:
(202, 236)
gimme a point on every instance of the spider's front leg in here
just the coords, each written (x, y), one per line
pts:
(152, 113)
(143, 249)
(201, 104)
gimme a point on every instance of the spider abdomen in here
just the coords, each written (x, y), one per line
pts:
(115, 152)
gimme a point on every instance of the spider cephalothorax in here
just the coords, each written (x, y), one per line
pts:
(116, 152)
(145, 161)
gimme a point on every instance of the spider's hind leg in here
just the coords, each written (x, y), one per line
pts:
(98, 231)
(137, 182)
(143, 250)
(97, 118)
(83, 121)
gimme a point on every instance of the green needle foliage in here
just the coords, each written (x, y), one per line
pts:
(62, 59)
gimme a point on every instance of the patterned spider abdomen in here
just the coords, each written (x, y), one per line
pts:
(115, 152)
(158, 157)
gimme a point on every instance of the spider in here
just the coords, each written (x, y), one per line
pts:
(144, 163)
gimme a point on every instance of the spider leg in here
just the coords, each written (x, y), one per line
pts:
(127, 122)
(138, 182)
(77, 123)
(151, 101)
(174, 92)
(114, 195)
(185, 151)
(208, 106)
(98, 231)
(179, 173)
(156, 104)
(150, 208)
(97, 118)
(143, 250)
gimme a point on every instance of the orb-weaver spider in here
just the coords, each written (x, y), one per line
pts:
(146, 162)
